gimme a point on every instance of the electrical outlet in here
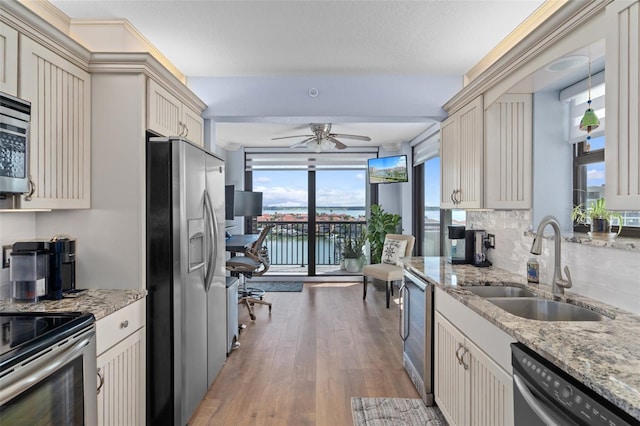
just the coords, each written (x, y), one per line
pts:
(492, 240)
(6, 252)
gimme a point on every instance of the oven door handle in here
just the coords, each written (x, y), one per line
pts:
(533, 402)
(45, 366)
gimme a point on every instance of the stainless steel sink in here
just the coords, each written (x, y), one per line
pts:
(499, 291)
(544, 310)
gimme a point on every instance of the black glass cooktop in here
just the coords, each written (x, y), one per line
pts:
(25, 333)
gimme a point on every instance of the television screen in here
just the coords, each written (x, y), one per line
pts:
(229, 195)
(247, 203)
(388, 169)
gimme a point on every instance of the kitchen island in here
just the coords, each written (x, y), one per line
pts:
(603, 355)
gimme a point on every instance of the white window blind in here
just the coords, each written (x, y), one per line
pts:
(427, 149)
(578, 95)
(354, 158)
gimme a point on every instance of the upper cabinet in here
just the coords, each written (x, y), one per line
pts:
(168, 116)
(461, 150)
(623, 105)
(508, 153)
(9, 63)
(60, 151)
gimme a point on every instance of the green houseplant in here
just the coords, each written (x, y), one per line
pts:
(379, 225)
(353, 252)
(597, 216)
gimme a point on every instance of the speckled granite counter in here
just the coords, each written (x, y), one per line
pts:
(604, 355)
(99, 302)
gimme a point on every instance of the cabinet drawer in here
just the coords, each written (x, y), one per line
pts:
(120, 324)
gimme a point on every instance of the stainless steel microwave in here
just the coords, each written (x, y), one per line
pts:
(15, 117)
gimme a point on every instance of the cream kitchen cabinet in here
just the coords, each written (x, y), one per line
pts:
(461, 152)
(60, 152)
(508, 167)
(167, 116)
(121, 349)
(9, 63)
(473, 379)
(622, 159)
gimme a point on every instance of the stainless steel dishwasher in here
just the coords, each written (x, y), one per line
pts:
(416, 330)
(545, 395)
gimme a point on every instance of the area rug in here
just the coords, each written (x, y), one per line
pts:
(394, 412)
(277, 286)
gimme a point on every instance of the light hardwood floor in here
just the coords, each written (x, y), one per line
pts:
(302, 364)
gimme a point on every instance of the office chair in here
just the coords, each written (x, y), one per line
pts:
(255, 262)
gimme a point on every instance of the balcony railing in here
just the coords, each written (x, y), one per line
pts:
(288, 241)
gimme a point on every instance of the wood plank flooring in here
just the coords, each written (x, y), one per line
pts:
(301, 364)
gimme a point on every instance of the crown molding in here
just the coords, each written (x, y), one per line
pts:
(144, 63)
(565, 20)
(32, 25)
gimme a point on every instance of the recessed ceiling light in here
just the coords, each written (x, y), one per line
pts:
(567, 63)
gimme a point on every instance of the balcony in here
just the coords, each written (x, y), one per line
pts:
(288, 245)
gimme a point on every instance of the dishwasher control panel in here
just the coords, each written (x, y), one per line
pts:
(567, 393)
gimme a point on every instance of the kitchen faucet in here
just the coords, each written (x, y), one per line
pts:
(558, 284)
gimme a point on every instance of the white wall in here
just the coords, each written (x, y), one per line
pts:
(602, 273)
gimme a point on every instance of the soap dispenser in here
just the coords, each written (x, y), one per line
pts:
(533, 270)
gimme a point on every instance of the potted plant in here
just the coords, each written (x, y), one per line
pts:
(379, 225)
(598, 217)
(353, 254)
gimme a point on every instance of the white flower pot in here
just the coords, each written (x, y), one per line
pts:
(353, 265)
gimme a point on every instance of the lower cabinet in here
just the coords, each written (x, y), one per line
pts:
(121, 348)
(470, 388)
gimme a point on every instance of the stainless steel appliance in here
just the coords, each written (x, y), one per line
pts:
(186, 303)
(457, 249)
(545, 395)
(48, 369)
(480, 245)
(30, 270)
(416, 330)
(15, 116)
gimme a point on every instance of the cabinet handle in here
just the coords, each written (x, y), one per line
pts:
(466, 366)
(124, 324)
(101, 381)
(452, 194)
(457, 355)
(32, 189)
(456, 195)
(186, 130)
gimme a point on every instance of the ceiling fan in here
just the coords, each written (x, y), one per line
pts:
(322, 139)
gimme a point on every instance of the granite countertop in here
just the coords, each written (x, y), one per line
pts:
(99, 302)
(603, 355)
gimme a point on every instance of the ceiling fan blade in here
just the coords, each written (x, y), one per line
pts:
(358, 137)
(289, 137)
(301, 143)
(339, 145)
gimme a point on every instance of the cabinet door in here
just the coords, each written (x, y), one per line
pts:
(450, 381)
(508, 153)
(164, 111)
(490, 389)
(471, 137)
(194, 125)
(622, 190)
(60, 157)
(9, 63)
(449, 161)
(121, 382)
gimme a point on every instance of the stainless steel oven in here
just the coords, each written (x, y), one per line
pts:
(416, 330)
(48, 369)
(15, 117)
(547, 396)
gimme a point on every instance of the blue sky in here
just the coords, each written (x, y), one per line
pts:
(335, 188)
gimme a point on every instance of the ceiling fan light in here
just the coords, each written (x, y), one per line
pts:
(315, 146)
(326, 144)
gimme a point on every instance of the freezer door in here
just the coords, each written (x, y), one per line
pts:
(190, 301)
(216, 296)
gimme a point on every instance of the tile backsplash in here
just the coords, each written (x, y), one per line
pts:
(606, 274)
(14, 227)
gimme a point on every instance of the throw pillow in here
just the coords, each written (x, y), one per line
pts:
(393, 250)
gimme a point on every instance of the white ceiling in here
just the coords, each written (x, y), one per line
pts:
(208, 38)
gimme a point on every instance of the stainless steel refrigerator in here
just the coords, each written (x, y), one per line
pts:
(186, 302)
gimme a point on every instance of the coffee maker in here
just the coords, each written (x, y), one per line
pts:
(479, 243)
(458, 245)
(42, 269)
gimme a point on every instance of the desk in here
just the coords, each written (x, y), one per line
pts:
(239, 243)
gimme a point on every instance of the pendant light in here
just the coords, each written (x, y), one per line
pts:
(590, 120)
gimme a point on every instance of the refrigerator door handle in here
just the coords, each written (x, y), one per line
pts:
(212, 225)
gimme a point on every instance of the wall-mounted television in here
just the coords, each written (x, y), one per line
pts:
(388, 169)
(229, 196)
(247, 203)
